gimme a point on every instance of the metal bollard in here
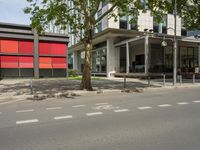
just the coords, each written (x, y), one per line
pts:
(181, 80)
(163, 79)
(193, 78)
(124, 82)
(31, 86)
(149, 82)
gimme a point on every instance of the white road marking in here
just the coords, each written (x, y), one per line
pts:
(145, 107)
(164, 105)
(27, 121)
(62, 117)
(197, 101)
(121, 110)
(23, 111)
(53, 108)
(77, 106)
(101, 103)
(94, 113)
(182, 103)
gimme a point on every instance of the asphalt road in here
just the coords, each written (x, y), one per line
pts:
(159, 120)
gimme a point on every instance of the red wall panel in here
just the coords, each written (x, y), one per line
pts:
(45, 62)
(11, 59)
(45, 66)
(26, 62)
(59, 66)
(59, 49)
(45, 48)
(9, 62)
(26, 59)
(9, 46)
(59, 60)
(26, 47)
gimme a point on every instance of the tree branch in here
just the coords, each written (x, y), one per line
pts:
(106, 13)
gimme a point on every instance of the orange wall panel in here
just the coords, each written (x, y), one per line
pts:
(9, 46)
(46, 60)
(45, 66)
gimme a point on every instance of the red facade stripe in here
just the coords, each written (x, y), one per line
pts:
(26, 47)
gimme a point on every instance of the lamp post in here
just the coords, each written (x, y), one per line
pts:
(175, 46)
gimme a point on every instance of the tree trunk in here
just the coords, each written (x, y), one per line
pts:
(86, 78)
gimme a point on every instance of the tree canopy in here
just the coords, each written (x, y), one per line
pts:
(188, 10)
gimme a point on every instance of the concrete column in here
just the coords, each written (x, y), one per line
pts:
(36, 55)
(111, 58)
(146, 53)
(127, 58)
(199, 54)
(117, 52)
(75, 61)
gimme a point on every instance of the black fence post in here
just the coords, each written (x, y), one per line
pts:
(124, 82)
(149, 82)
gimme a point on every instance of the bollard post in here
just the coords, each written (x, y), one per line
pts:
(193, 78)
(124, 82)
(163, 79)
(149, 82)
(181, 80)
(31, 86)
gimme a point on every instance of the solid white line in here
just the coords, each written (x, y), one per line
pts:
(121, 110)
(27, 121)
(145, 107)
(164, 105)
(182, 103)
(77, 106)
(62, 117)
(198, 101)
(102, 104)
(23, 111)
(53, 108)
(95, 113)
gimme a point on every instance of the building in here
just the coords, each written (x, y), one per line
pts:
(121, 47)
(24, 53)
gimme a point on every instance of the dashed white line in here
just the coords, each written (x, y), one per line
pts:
(197, 101)
(62, 117)
(24, 111)
(78, 106)
(145, 107)
(27, 121)
(182, 103)
(121, 110)
(94, 113)
(102, 104)
(53, 108)
(164, 105)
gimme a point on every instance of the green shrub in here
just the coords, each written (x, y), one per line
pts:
(72, 73)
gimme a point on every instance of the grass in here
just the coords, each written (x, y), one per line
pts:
(80, 77)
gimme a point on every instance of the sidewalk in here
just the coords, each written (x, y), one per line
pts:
(12, 90)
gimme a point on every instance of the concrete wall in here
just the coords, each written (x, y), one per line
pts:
(112, 57)
(170, 25)
(145, 21)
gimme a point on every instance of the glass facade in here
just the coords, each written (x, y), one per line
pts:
(99, 61)
(189, 58)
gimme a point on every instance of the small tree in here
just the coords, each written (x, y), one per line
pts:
(80, 16)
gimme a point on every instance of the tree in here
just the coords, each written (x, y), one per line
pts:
(188, 10)
(80, 16)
